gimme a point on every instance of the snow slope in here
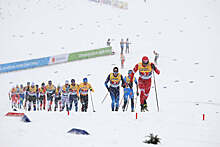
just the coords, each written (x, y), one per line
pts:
(186, 34)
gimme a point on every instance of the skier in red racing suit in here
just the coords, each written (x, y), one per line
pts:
(144, 82)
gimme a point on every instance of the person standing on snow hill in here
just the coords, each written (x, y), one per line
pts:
(114, 88)
(108, 43)
(122, 45)
(156, 57)
(128, 90)
(64, 96)
(73, 95)
(144, 82)
(122, 58)
(127, 46)
(50, 88)
(83, 91)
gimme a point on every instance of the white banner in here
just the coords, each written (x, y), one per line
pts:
(58, 59)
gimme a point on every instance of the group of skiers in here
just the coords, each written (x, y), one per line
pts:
(146, 69)
(33, 97)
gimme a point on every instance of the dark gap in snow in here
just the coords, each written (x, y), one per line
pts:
(10, 82)
(62, 48)
(138, 35)
(164, 86)
(191, 82)
(176, 81)
(146, 21)
(30, 54)
(196, 63)
(211, 76)
(174, 59)
(42, 33)
(56, 72)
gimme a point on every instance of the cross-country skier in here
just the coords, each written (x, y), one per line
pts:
(114, 88)
(50, 88)
(73, 95)
(64, 96)
(21, 95)
(83, 91)
(42, 96)
(32, 95)
(13, 97)
(144, 82)
(37, 96)
(26, 94)
(128, 90)
(17, 95)
(57, 98)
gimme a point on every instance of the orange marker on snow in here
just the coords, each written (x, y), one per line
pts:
(136, 115)
(68, 112)
(203, 117)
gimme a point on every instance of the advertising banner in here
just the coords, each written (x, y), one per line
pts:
(24, 64)
(58, 59)
(90, 54)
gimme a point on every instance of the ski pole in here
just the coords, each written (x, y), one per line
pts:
(135, 102)
(104, 98)
(156, 92)
(127, 105)
(92, 102)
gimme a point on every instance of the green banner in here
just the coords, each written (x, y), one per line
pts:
(90, 54)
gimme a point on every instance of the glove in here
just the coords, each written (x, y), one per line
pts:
(137, 93)
(108, 89)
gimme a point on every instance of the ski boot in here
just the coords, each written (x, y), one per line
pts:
(145, 107)
(116, 109)
(142, 107)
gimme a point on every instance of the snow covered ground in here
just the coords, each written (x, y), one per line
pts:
(186, 34)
